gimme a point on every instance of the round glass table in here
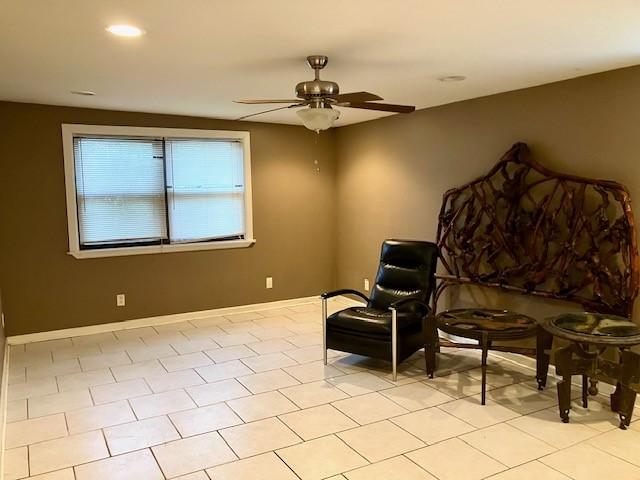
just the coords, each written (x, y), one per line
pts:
(590, 335)
(486, 326)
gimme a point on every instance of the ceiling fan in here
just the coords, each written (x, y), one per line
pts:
(320, 96)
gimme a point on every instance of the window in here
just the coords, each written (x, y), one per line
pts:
(120, 191)
(134, 190)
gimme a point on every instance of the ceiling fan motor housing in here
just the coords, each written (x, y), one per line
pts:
(316, 88)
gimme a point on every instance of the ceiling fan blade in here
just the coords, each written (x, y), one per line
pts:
(357, 97)
(258, 102)
(383, 107)
(271, 110)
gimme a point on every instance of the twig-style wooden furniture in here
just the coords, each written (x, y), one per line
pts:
(524, 228)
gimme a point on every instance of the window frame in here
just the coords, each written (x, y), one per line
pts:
(69, 131)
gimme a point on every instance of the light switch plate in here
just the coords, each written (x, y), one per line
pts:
(366, 284)
(269, 282)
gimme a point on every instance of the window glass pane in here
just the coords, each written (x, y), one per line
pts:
(205, 180)
(120, 190)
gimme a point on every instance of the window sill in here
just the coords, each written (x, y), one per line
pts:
(187, 247)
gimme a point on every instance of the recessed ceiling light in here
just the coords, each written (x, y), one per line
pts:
(125, 30)
(86, 93)
(453, 78)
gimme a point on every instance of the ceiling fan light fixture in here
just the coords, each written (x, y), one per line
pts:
(318, 118)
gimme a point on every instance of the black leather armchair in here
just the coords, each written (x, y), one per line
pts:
(395, 322)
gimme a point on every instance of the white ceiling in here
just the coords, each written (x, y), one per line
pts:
(199, 55)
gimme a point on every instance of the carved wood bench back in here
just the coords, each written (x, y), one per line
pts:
(525, 228)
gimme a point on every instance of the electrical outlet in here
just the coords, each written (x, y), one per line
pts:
(269, 282)
(120, 300)
(366, 284)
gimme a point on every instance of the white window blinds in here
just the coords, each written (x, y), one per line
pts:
(205, 184)
(152, 191)
(120, 190)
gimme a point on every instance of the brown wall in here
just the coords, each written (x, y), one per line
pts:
(46, 289)
(392, 172)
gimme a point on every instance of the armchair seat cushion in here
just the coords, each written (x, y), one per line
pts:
(367, 321)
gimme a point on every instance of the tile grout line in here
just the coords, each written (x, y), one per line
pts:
(155, 459)
(420, 466)
(554, 469)
(573, 445)
(286, 464)
(606, 452)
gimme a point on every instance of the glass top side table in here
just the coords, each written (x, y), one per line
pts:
(590, 335)
(486, 326)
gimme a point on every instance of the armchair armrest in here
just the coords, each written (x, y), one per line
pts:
(405, 301)
(344, 291)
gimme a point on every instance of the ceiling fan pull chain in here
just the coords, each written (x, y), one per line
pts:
(315, 161)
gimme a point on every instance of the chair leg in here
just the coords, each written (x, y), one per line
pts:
(324, 330)
(394, 343)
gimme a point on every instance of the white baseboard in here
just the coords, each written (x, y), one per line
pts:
(151, 321)
(4, 390)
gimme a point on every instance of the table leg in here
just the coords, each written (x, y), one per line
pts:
(585, 391)
(622, 401)
(593, 386)
(544, 342)
(431, 346)
(484, 344)
(630, 373)
(626, 412)
(563, 368)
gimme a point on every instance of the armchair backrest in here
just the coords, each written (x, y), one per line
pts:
(407, 269)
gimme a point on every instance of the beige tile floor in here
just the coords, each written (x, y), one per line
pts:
(246, 397)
